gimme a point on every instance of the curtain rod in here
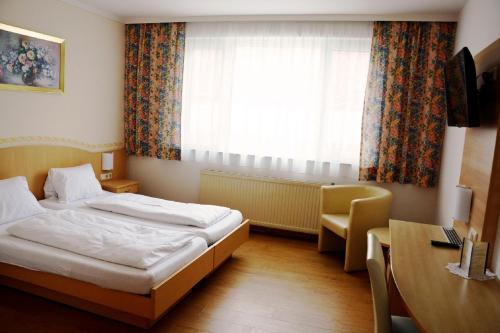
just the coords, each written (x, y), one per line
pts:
(326, 17)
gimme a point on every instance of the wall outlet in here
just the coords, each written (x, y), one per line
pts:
(106, 176)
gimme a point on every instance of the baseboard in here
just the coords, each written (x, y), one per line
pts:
(284, 233)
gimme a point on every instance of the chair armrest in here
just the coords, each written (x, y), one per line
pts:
(371, 212)
(336, 199)
(365, 214)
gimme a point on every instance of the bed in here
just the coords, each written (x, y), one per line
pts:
(134, 303)
(211, 234)
(40, 257)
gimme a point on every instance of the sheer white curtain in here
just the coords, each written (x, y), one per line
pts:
(277, 96)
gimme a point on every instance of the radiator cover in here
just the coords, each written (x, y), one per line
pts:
(268, 202)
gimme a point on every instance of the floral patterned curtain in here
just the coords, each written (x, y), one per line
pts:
(154, 57)
(404, 116)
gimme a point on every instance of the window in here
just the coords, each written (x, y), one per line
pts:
(284, 95)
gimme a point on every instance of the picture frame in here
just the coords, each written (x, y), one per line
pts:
(31, 61)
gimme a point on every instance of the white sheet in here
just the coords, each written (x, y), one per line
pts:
(155, 209)
(101, 238)
(40, 257)
(211, 234)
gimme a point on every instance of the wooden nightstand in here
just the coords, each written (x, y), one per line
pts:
(121, 186)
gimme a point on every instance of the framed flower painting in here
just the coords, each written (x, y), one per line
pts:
(30, 60)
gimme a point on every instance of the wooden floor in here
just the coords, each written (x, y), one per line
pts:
(271, 284)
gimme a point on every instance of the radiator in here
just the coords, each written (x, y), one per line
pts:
(269, 202)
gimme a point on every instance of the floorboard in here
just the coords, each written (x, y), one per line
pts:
(271, 284)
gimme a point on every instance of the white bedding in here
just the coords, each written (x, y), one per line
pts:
(160, 210)
(101, 238)
(211, 234)
(40, 257)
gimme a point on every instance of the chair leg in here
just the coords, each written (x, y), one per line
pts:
(329, 241)
(355, 256)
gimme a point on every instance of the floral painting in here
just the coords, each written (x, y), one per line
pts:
(30, 61)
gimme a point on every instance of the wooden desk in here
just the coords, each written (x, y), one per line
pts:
(437, 300)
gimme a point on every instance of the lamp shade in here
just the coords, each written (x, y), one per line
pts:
(107, 161)
(463, 197)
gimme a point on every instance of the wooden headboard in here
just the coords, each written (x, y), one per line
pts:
(34, 161)
(481, 156)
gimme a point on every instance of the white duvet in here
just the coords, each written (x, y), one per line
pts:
(161, 210)
(101, 238)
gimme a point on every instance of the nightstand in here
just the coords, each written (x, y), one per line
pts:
(120, 186)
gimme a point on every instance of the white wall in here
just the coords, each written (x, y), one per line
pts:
(91, 108)
(478, 26)
(451, 162)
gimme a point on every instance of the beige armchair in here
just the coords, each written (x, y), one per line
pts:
(348, 212)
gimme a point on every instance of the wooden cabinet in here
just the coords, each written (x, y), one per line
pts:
(121, 186)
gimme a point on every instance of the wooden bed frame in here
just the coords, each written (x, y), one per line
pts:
(139, 310)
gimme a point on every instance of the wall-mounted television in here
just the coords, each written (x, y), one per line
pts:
(461, 90)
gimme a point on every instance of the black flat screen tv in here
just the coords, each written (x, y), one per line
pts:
(461, 90)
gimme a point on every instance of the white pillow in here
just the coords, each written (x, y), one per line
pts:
(16, 200)
(48, 188)
(75, 183)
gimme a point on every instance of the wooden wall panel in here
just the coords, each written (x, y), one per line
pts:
(119, 164)
(33, 162)
(481, 155)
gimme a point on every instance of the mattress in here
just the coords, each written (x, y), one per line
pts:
(211, 234)
(35, 256)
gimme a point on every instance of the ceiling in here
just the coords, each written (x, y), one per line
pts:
(130, 11)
